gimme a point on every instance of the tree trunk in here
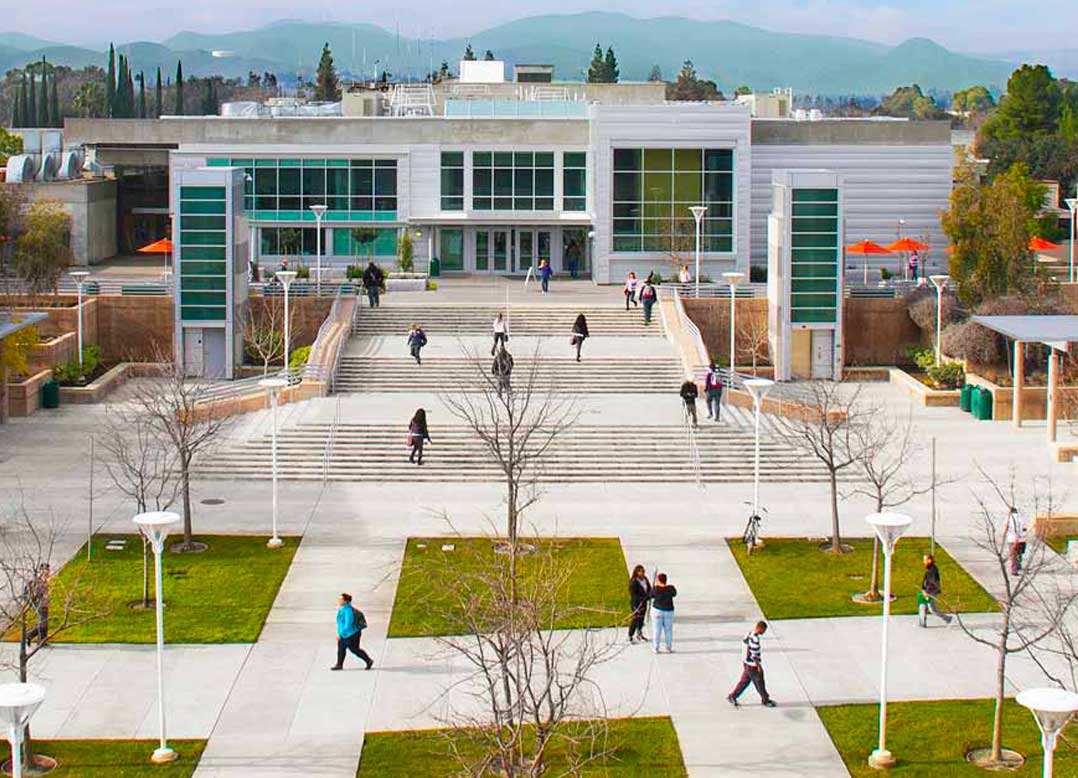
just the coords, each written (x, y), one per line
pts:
(24, 666)
(874, 586)
(185, 476)
(836, 541)
(1001, 675)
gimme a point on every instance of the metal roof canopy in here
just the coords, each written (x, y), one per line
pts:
(10, 324)
(1054, 331)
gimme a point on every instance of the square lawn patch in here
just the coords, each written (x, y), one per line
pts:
(931, 739)
(115, 758)
(792, 579)
(599, 582)
(221, 595)
(645, 748)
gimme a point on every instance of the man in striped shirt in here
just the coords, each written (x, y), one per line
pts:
(752, 669)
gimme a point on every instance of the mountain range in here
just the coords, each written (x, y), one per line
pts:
(727, 52)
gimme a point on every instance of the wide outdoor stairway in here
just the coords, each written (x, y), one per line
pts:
(450, 319)
(606, 374)
(585, 453)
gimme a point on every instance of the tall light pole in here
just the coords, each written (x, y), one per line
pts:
(698, 214)
(733, 279)
(939, 281)
(889, 528)
(1072, 206)
(18, 702)
(155, 526)
(758, 388)
(273, 387)
(286, 277)
(80, 278)
(319, 211)
(1052, 709)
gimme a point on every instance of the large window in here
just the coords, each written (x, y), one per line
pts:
(364, 242)
(291, 241)
(203, 253)
(285, 189)
(814, 264)
(451, 249)
(513, 180)
(574, 181)
(654, 189)
(452, 180)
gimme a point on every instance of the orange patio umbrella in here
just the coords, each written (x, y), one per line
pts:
(163, 246)
(908, 244)
(1040, 244)
(865, 248)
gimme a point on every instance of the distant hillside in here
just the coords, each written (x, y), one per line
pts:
(729, 53)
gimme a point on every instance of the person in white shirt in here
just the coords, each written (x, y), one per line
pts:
(1015, 540)
(501, 332)
(630, 290)
(685, 276)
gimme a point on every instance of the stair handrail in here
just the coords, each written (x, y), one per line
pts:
(686, 323)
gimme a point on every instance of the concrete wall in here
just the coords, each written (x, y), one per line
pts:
(135, 329)
(91, 204)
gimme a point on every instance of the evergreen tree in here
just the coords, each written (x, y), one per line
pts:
(597, 68)
(179, 88)
(326, 86)
(31, 102)
(656, 73)
(209, 98)
(54, 106)
(610, 66)
(129, 90)
(157, 95)
(469, 55)
(118, 92)
(489, 56)
(16, 113)
(110, 81)
(43, 99)
(26, 120)
(142, 95)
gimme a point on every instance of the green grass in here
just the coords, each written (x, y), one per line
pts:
(645, 748)
(115, 758)
(793, 579)
(424, 603)
(931, 739)
(222, 595)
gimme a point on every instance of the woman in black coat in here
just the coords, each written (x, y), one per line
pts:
(418, 435)
(639, 595)
(580, 332)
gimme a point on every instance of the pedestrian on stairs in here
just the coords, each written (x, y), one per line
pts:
(502, 369)
(545, 272)
(417, 436)
(350, 625)
(373, 278)
(580, 333)
(689, 393)
(630, 290)
(713, 392)
(501, 332)
(752, 669)
(417, 339)
(648, 295)
(639, 597)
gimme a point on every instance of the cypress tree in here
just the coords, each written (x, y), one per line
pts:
(43, 98)
(31, 102)
(597, 68)
(157, 95)
(24, 107)
(610, 66)
(54, 107)
(110, 82)
(130, 96)
(141, 94)
(326, 87)
(179, 88)
(15, 109)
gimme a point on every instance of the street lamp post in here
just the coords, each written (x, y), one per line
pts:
(939, 281)
(18, 702)
(758, 388)
(1072, 206)
(1052, 709)
(80, 278)
(733, 279)
(286, 277)
(155, 526)
(273, 387)
(698, 214)
(889, 528)
(319, 211)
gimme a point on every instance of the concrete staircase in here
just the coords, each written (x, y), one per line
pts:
(614, 375)
(451, 319)
(585, 454)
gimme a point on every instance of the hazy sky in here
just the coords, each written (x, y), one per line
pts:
(970, 25)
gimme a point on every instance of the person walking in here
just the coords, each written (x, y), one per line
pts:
(930, 591)
(630, 290)
(713, 392)
(545, 272)
(417, 339)
(752, 669)
(1015, 540)
(580, 333)
(639, 596)
(648, 295)
(689, 393)
(502, 369)
(36, 597)
(350, 625)
(915, 264)
(373, 278)
(685, 276)
(662, 613)
(501, 332)
(418, 435)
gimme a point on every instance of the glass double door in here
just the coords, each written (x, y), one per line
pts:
(511, 250)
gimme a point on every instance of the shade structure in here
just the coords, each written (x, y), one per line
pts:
(1040, 244)
(866, 247)
(908, 244)
(163, 246)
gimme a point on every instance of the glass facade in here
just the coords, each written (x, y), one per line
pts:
(203, 254)
(365, 241)
(574, 181)
(654, 189)
(281, 189)
(451, 249)
(513, 180)
(291, 241)
(452, 180)
(815, 260)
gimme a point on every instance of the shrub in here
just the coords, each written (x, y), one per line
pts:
(924, 358)
(302, 271)
(407, 252)
(948, 375)
(299, 357)
(921, 306)
(71, 372)
(970, 341)
(432, 286)
(353, 272)
(886, 274)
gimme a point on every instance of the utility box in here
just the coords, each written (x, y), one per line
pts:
(805, 244)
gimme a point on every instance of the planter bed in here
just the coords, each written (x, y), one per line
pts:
(931, 398)
(98, 389)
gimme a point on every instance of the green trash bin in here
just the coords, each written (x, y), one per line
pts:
(976, 402)
(986, 405)
(435, 267)
(50, 395)
(965, 398)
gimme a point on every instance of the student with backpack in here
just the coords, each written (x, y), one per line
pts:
(350, 625)
(713, 392)
(648, 295)
(417, 339)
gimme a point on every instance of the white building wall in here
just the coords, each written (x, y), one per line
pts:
(881, 184)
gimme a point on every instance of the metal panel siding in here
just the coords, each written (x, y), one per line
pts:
(424, 181)
(881, 184)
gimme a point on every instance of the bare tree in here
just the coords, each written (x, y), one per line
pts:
(752, 334)
(826, 428)
(170, 407)
(264, 330)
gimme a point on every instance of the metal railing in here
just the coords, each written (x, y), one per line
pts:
(304, 288)
(242, 387)
(687, 324)
(712, 289)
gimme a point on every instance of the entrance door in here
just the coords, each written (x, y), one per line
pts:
(525, 250)
(482, 251)
(574, 250)
(500, 250)
(823, 363)
(192, 351)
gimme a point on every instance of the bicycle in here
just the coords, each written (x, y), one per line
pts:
(751, 536)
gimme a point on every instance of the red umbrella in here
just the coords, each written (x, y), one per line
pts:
(865, 248)
(908, 244)
(1040, 244)
(163, 246)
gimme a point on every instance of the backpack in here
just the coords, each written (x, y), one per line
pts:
(361, 620)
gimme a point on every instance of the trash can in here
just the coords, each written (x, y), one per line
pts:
(986, 404)
(50, 395)
(965, 398)
(435, 267)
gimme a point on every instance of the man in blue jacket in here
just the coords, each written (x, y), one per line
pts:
(350, 626)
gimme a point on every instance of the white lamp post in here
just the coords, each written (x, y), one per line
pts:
(155, 527)
(286, 277)
(273, 387)
(758, 388)
(1072, 206)
(18, 701)
(319, 211)
(698, 214)
(940, 281)
(80, 278)
(889, 528)
(733, 279)
(1052, 709)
